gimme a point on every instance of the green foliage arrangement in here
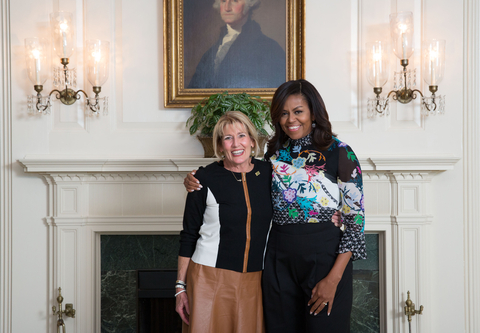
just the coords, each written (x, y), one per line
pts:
(207, 113)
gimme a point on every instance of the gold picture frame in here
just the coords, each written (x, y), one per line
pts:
(175, 66)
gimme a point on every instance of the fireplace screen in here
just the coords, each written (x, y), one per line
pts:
(156, 303)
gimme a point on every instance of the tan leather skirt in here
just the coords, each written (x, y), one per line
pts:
(223, 301)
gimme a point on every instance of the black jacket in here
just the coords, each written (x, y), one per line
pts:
(225, 224)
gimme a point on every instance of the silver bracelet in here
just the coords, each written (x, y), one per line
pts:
(180, 286)
(181, 291)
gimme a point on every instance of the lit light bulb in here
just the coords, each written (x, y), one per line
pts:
(377, 57)
(403, 29)
(97, 55)
(433, 59)
(63, 29)
(36, 54)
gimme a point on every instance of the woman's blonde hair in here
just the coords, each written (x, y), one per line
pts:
(233, 118)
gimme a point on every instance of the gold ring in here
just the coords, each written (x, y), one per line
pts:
(325, 303)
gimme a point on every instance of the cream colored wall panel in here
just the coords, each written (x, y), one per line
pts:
(105, 199)
(140, 80)
(384, 203)
(370, 192)
(142, 199)
(448, 226)
(333, 59)
(471, 179)
(139, 68)
(6, 174)
(409, 200)
(68, 118)
(411, 276)
(377, 191)
(174, 199)
(412, 193)
(67, 268)
(69, 199)
(99, 20)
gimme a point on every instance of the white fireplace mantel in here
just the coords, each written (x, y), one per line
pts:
(39, 164)
(90, 196)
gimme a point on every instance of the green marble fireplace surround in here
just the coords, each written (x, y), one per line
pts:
(122, 255)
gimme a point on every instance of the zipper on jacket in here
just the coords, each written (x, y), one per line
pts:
(249, 222)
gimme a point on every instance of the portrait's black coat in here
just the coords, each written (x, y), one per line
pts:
(253, 61)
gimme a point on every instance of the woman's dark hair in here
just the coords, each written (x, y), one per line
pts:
(322, 135)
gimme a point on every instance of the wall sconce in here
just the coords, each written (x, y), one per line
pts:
(64, 79)
(433, 66)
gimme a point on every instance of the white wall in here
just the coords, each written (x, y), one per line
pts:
(139, 126)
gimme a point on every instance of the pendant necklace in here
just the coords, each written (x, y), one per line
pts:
(238, 180)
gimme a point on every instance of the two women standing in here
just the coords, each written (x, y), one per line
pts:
(307, 279)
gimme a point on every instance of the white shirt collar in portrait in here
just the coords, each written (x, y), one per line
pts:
(227, 41)
(231, 33)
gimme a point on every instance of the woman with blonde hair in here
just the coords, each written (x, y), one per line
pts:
(224, 234)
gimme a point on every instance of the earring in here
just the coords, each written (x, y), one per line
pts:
(314, 125)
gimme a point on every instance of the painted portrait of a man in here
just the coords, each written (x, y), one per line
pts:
(234, 43)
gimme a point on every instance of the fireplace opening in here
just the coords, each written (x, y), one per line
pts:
(156, 302)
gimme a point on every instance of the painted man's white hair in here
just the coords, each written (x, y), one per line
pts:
(248, 5)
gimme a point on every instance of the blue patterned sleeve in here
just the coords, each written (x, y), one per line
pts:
(353, 212)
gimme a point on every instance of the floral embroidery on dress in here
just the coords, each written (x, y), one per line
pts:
(296, 149)
(290, 195)
(298, 162)
(285, 156)
(308, 186)
(324, 201)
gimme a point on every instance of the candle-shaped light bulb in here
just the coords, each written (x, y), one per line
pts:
(97, 56)
(403, 30)
(63, 30)
(377, 57)
(433, 59)
(36, 56)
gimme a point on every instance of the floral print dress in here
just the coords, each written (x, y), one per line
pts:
(309, 185)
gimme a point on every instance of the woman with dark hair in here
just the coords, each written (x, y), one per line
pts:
(307, 279)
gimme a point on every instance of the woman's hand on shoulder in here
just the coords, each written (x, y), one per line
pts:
(182, 307)
(337, 219)
(191, 183)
